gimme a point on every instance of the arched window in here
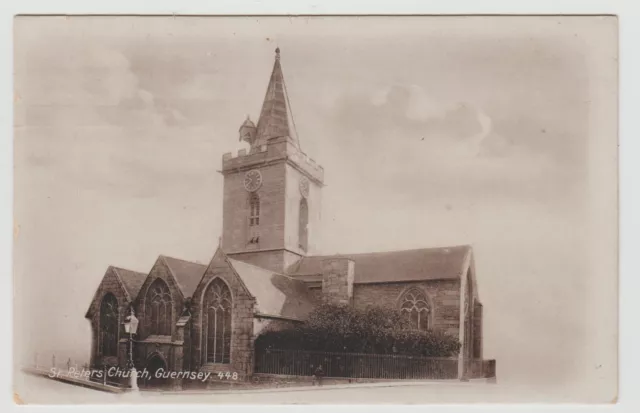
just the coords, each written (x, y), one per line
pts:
(414, 304)
(217, 322)
(109, 325)
(157, 309)
(254, 210)
(303, 223)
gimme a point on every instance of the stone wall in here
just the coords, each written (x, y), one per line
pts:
(235, 210)
(109, 284)
(444, 297)
(337, 280)
(282, 166)
(159, 271)
(477, 330)
(293, 197)
(241, 321)
(169, 348)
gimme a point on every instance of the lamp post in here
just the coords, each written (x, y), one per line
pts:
(131, 326)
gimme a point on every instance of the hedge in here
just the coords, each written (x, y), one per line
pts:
(376, 330)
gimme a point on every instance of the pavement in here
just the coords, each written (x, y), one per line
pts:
(31, 389)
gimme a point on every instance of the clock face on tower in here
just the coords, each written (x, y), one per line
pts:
(252, 180)
(304, 187)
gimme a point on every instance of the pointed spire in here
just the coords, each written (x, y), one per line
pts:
(274, 117)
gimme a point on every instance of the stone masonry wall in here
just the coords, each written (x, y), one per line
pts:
(477, 330)
(159, 271)
(235, 220)
(171, 349)
(337, 280)
(292, 212)
(109, 284)
(444, 296)
(241, 321)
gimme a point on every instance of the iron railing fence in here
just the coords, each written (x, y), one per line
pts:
(354, 365)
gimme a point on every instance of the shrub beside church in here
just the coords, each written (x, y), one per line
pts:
(374, 330)
(266, 272)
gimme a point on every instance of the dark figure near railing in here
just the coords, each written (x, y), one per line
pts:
(318, 375)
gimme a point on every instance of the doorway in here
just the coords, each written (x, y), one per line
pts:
(155, 366)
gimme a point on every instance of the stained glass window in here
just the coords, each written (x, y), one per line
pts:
(414, 304)
(109, 325)
(158, 309)
(217, 305)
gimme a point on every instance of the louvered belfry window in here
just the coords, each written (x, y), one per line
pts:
(217, 305)
(109, 325)
(254, 210)
(303, 224)
(158, 309)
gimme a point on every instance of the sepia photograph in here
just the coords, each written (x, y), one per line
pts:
(315, 209)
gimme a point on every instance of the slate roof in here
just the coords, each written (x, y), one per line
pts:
(132, 280)
(274, 120)
(276, 294)
(392, 266)
(187, 274)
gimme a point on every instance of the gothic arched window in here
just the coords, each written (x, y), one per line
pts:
(303, 222)
(109, 325)
(254, 210)
(217, 322)
(414, 304)
(157, 309)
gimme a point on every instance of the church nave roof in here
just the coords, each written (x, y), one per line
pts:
(393, 266)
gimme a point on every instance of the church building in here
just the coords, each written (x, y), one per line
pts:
(205, 318)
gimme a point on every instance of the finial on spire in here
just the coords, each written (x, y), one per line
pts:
(274, 116)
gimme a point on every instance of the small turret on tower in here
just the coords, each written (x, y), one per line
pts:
(248, 131)
(271, 201)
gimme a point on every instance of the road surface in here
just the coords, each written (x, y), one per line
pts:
(39, 390)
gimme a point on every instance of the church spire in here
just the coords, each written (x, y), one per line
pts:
(274, 117)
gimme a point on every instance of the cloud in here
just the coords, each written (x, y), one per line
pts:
(452, 148)
(98, 81)
(98, 118)
(419, 105)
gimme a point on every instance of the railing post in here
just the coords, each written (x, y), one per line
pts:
(53, 360)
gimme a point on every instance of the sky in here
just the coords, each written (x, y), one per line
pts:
(433, 131)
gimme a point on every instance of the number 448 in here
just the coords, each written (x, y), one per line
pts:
(228, 376)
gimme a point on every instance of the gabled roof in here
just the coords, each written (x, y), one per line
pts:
(274, 118)
(186, 273)
(131, 280)
(276, 295)
(392, 266)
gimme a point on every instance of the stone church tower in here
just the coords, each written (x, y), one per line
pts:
(267, 274)
(271, 201)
